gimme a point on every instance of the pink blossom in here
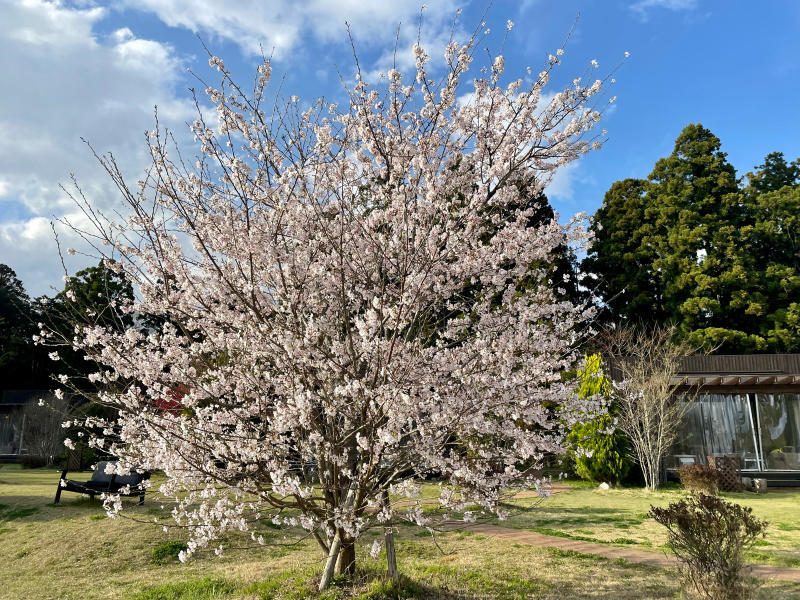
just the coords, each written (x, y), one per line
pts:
(356, 296)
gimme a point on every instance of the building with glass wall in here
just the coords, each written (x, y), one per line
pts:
(748, 406)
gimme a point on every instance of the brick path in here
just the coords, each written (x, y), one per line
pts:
(637, 556)
(653, 559)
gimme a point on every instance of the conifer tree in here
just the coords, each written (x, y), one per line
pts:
(689, 247)
(620, 265)
(775, 173)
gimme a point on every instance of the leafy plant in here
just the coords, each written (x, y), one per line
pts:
(699, 478)
(601, 453)
(709, 537)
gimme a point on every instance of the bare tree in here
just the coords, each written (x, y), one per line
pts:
(645, 363)
(43, 434)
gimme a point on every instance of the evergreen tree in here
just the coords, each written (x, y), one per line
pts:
(688, 247)
(692, 195)
(624, 248)
(652, 237)
(772, 250)
(601, 452)
(16, 330)
(91, 297)
(775, 173)
(750, 281)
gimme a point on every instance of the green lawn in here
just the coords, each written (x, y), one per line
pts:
(72, 551)
(619, 516)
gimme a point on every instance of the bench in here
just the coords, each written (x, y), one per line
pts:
(104, 483)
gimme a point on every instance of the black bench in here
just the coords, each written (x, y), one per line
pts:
(101, 482)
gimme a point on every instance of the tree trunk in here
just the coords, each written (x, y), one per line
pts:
(650, 469)
(346, 563)
(342, 555)
(656, 473)
(330, 564)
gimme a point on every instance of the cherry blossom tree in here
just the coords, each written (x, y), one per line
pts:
(335, 302)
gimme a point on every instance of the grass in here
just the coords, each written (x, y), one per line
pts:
(619, 516)
(197, 589)
(69, 551)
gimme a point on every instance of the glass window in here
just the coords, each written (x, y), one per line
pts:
(717, 425)
(10, 432)
(779, 418)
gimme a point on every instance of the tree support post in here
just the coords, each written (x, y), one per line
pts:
(391, 556)
(388, 538)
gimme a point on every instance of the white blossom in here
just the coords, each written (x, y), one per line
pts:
(375, 550)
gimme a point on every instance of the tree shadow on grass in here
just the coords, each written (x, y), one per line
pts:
(578, 510)
(540, 515)
(41, 509)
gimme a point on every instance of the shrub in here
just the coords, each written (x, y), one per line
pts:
(709, 536)
(699, 478)
(30, 461)
(605, 455)
(167, 552)
(600, 452)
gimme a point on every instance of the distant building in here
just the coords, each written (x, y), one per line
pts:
(749, 407)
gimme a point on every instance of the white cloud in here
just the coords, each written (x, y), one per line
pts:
(643, 6)
(561, 186)
(68, 82)
(526, 5)
(29, 248)
(283, 25)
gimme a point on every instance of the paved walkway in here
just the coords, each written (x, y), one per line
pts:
(637, 556)
(653, 559)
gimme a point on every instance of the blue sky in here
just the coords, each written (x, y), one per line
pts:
(95, 70)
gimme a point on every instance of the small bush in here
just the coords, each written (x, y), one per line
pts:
(709, 537)
(600, 452)
(167, 552)
(699, 478)
(605, 454)
(29, 461)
